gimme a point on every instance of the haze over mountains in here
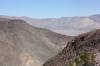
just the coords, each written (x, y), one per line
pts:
(24, 45)
(66, 25)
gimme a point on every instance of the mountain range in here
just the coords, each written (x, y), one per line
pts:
(72, 26)
(31, 42)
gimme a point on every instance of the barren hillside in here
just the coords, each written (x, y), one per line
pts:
(24, 45)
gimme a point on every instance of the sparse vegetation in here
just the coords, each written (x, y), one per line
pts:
(84, 59)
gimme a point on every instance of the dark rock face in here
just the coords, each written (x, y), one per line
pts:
(24, 45)
(89, 42)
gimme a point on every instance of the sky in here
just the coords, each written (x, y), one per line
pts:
(49, 8)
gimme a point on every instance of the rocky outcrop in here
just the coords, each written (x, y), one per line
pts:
(88, 42)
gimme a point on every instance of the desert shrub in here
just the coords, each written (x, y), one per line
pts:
(84, 59)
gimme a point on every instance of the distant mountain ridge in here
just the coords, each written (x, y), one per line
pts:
(66, 25)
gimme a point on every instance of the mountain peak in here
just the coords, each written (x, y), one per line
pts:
(96, 15)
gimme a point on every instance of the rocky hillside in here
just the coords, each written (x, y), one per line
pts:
(84, 43)
(24, 45)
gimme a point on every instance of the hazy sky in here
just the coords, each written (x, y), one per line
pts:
(49, 8)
